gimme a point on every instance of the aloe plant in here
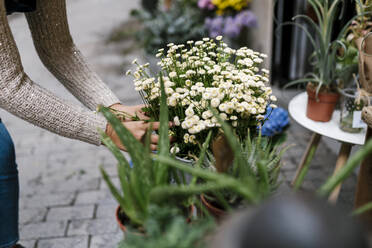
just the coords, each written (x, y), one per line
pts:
(148, 181)
(252, 176)
(167, 228)
(137, 182)
(325, 48)
(364, 10)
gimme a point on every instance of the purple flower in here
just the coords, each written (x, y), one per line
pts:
(231, 29)
(246, 18)
(214, 26)
(230, 26)
(205, 4)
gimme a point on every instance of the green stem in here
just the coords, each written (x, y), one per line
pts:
(363, 209)
(305, 169)
(345, 171)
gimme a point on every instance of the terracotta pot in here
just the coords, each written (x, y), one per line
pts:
(121, 225)
(214, 210)
(192, 213)
(321, 107)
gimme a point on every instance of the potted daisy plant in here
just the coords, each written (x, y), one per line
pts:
(203, 74)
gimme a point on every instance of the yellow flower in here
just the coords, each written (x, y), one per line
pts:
(223, 5)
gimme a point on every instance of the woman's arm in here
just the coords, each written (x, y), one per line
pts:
(53, 42)
(29, 101)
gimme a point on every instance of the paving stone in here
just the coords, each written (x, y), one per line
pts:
(114, 180)
(50, 200)
(284, 189)
(92, 227)
(43, 230)
(288, 163)
(106, 211)
(32, 215)
(308, 185)
(106, 240)
(289, 175)
(92, 197)
(28, 243)
(72, 185)
(66, 242)
(71, 213)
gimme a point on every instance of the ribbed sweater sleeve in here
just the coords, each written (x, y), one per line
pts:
(24, 98)
(53, 42)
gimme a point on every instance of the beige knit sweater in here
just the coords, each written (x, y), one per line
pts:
(24, 98)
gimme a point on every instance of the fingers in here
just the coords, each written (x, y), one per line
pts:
(140, 113)
(155, 125)
(154, 139)
(142, 116)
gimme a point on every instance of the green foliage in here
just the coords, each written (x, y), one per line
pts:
(252, 177)
(137, 182)
(167, 228)
(346, 170)
(364, 10)
(325, 48)
(181, 23)
(256, 164)
(347, 65)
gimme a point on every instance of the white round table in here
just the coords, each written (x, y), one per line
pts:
(297, 110)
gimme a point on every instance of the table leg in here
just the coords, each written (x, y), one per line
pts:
(306, 159)
(342, 158)
(363, 193)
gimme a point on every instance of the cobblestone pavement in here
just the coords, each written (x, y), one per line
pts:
(64, 202)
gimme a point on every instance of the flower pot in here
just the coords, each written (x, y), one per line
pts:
(321, 107)
(119, 218)
(123, 222)
(212, 209)
(193, 212)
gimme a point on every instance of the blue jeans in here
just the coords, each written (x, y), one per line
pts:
(9, 191)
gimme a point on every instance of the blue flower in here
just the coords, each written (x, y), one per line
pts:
(276, 120)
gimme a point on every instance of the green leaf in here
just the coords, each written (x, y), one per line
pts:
(166, 193)
(345, 171)
(133, 146)
(363, 209)
(120, 199)
(303, 80)
(242, 189)
(139, 177)
(236, 148)
(202, 154)
(164, 144)
(106, 140)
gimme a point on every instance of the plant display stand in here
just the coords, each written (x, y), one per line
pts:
(297, 110)
(363, 194)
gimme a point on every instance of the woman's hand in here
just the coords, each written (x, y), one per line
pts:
(131, 111)
(138, 129)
